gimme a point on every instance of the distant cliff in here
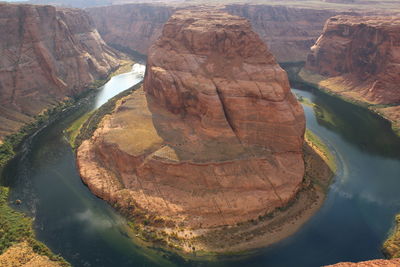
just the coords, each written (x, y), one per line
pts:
(359, 58)
(289, 32)
(47, 54)
(131, 26)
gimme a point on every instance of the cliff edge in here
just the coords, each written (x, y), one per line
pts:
(46, 55)
(359, 58)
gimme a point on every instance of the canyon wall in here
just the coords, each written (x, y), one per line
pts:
(47, 54)
(214, 138)
(131, 26)
(359, 58)
(289, 32)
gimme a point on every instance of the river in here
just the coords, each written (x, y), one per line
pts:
(351, 225)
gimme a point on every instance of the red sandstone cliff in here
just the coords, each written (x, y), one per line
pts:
(359, 58)
(289, 32)
(371, 263)
(46, 55)
(131, 26)
(214, 139)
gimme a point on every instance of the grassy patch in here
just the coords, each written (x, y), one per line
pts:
(91, 123)
(305, 101)
(15, 227)
(11, 142)
(391, 247)
(74, 129)
(322, 149)
(126, 66)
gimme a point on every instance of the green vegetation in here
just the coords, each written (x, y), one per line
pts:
(305, 101)
(391, 247)
(91, 123)
(15, 227)
(75, 128)
(319, 145)
(12, 142)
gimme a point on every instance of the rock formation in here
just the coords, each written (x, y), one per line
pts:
(289, 32)
(131, 26)
(359, 58)
(215, 138)
(47, 54)
(371, 263)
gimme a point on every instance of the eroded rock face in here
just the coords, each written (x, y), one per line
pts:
(221, 76)
(359, 58)
(289, 32)
(46, 54)
(371, 263)
(365, 52)
(216, 136)
(131, 26)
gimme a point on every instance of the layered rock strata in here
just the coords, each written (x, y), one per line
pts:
(132, 26)
(359, 58)
(215, 137)
(46, 54)
(289, 32)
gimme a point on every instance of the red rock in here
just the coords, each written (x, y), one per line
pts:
(371, 263)
(365, 51)
(359, 58)
(215, 139)
(131, 26)
(47, 54)
(289, 32)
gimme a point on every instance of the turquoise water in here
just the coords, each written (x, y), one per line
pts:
(351, 225)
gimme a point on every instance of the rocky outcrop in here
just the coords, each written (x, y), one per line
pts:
(132, 26)
(215, 138)
(22, 255)
(47, 54)
(289, 32)
(359, 58)
(371, 263)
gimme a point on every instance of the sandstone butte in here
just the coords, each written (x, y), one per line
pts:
(289, 32)
(214, 139)
(359, 58)
(46, 55)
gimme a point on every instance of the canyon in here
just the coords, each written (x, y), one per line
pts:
(214, 139)
(47, 55)
(208, 155)
(358, 58)
(288, 32)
